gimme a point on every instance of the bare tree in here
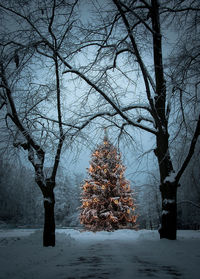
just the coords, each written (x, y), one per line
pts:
(132, 31)
(34, 41)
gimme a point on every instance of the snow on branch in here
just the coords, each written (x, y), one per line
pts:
(168, 201)
(48, 200)
(171, 177)
(147, 119)
(165, 212)
(137, 106)
(35, 152)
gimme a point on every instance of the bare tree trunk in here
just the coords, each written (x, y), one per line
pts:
(169, 211)
(168, 188)
(49, 220)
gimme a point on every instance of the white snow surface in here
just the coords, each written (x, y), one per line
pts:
(124, 254)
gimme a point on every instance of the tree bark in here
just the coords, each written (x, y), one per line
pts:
(168, 189)
(49, 220)
(169, 210)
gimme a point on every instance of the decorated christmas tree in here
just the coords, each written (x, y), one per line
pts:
(107, 200)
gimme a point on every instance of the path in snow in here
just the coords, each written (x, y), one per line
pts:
(122, 254)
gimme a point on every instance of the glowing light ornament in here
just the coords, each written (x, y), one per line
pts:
(91, 169)
(95, 200)
(85, 204)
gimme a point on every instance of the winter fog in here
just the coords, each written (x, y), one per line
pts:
(99, 138)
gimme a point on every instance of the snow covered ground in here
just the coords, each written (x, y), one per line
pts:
(124, 254)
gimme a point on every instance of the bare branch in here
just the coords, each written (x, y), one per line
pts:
(190, 152)
(51, 22)
(142, 118)
(61, 133)
(138, 17)
(117, 109)
(1, 106)
(174, 10)
(189, 202)
(144, 71)
(31, 144)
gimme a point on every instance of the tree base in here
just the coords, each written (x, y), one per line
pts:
(169, 210)
(49, 222)
(49, 239)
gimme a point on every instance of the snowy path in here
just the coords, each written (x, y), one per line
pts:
(123, 254)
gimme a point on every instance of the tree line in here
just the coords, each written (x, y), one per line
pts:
(21, 204)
